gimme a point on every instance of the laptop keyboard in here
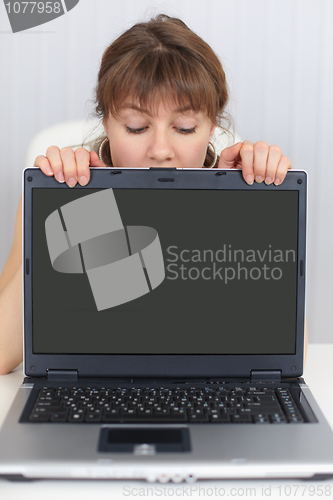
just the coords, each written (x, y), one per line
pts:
(164, 405)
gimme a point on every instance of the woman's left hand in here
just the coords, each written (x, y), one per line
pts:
(259, 162)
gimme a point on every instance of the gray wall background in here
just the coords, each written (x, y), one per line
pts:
(278, 58)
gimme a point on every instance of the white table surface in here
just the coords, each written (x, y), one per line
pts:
(317, 374)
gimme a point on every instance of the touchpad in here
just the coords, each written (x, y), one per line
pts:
(144, 440)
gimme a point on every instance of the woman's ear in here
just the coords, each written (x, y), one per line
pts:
(212, 130)
(105, 125)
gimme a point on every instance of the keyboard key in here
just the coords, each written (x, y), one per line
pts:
(93, 417)
(241, 419)
(59, 417)
(145, 418)
(76, 416)
(197, 418)
(218, 419)
(40, 417)
(261, 419)
(277, 419)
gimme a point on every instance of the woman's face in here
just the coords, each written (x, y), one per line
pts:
(171, 137)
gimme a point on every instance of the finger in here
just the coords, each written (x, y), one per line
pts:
(53, 156)
(94, 160)
(69, 165)
(274, 157)
(229, 156)
(43, 163)
(260, 157)
(283, 167)
(82, 159)
(247, 155)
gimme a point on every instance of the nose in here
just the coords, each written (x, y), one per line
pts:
(160, 147)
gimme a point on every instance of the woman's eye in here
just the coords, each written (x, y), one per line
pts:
(187, 130)
(140, 130)
(135, 130)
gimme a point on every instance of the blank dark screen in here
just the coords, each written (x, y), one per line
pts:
(230, 281)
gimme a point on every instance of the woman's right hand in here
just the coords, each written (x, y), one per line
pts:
(67, 165)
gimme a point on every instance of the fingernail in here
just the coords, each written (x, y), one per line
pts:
(49, 171)
(259, 179)
(268, 180)
(277, 182)
(249, 179)
(61, 177)
(83, 180)
(71, 182)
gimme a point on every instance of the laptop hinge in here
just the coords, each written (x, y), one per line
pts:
(62, 374)
(266, 374)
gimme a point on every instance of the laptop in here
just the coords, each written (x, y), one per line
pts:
(164, 331)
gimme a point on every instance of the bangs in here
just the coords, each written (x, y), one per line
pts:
(167, 76)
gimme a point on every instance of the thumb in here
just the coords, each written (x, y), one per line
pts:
(94, 160)
(229, 156)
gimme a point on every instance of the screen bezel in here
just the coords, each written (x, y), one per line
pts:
(156, 365)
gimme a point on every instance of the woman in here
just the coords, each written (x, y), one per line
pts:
(161, 93)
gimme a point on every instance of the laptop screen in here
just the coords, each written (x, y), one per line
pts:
(176, 272)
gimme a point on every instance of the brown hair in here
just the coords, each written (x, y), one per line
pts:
(157, 60)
